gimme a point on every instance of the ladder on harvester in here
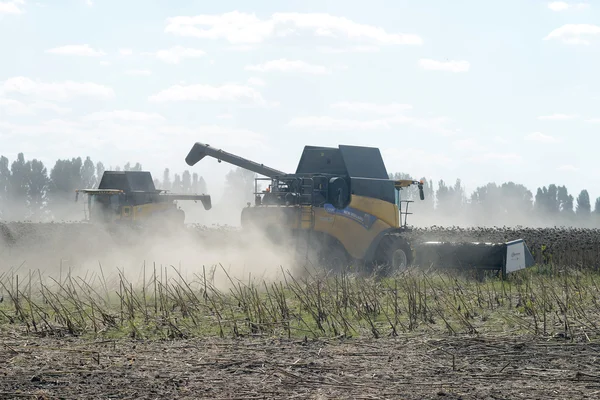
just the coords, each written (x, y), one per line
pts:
(306, 218)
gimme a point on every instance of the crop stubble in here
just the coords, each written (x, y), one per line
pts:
(407, 368)
(534, 338)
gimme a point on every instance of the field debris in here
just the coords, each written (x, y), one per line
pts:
(415, 367)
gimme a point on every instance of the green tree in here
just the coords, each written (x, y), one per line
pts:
(99, 172)
(239, 187)
(4, 187)
(166, 182)
(37, 189)
(584, 206)
(19, 176)
(65, 177)
(88, 174)
(186, 182)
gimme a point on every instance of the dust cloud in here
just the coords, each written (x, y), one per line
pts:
(204, 248)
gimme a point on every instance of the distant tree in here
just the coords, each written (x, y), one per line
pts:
(202, 186)
(65, 177)
(565, 201)
(4, 187)
(239, 186)
(597, 206)
(99, 172)
(186, 182)
(177, 185)
(88, 174)
(450, 199)
(584, 207)
(37, 191)
(194, 188)
(19, 176)
(547, 202)
(166, 182)
(516, 197)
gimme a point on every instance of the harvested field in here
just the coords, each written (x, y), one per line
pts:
(154, 330)
(416, 367)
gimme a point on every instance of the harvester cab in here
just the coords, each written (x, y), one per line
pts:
(342, 204)
(131, 198)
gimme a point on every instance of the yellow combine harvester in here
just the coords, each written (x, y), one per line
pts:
(341, 203)
(129, 198)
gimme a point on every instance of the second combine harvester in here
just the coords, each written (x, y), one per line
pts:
(341, 204)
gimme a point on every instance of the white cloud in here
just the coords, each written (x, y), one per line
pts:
(321, 24)
(243, 28)
(451, 66)
(125, 52)
(468, 145)
(562, 6)
(540, 137)
(384, 116)
(138, 72)
(254, 81)
(176, 54)
(114, 141)
(124, 115)
(229, 92)
(558, 6)
(348, 49)
(391, 108)
(574, 33)
(495, 157)
(235, 27)
(11, 7)
(16, 108)
(56, 91)
(224, 116)
(567, 168)
(84, 50)
(325, 123)
(593, 120)
(557, 117)
(284, 65)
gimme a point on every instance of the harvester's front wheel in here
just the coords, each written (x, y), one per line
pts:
(394, 255)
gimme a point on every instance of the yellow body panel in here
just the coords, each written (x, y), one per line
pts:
(142, 212)
(356, 227)
(147, 211)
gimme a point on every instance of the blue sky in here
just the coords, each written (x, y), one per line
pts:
(477, 90)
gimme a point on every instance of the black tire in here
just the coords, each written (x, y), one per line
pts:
(335, 259)
(394, 255)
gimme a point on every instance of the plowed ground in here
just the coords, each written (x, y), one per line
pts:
(391, 368)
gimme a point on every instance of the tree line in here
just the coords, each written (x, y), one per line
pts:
(495, 204)
(31, 191)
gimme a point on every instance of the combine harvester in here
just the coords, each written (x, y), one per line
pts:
(126, 207)
(130, 199)
(341, 208)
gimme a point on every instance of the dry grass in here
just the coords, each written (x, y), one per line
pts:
(165, 304)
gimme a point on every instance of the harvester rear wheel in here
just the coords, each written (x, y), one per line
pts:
(335, 259)
(394, 255)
